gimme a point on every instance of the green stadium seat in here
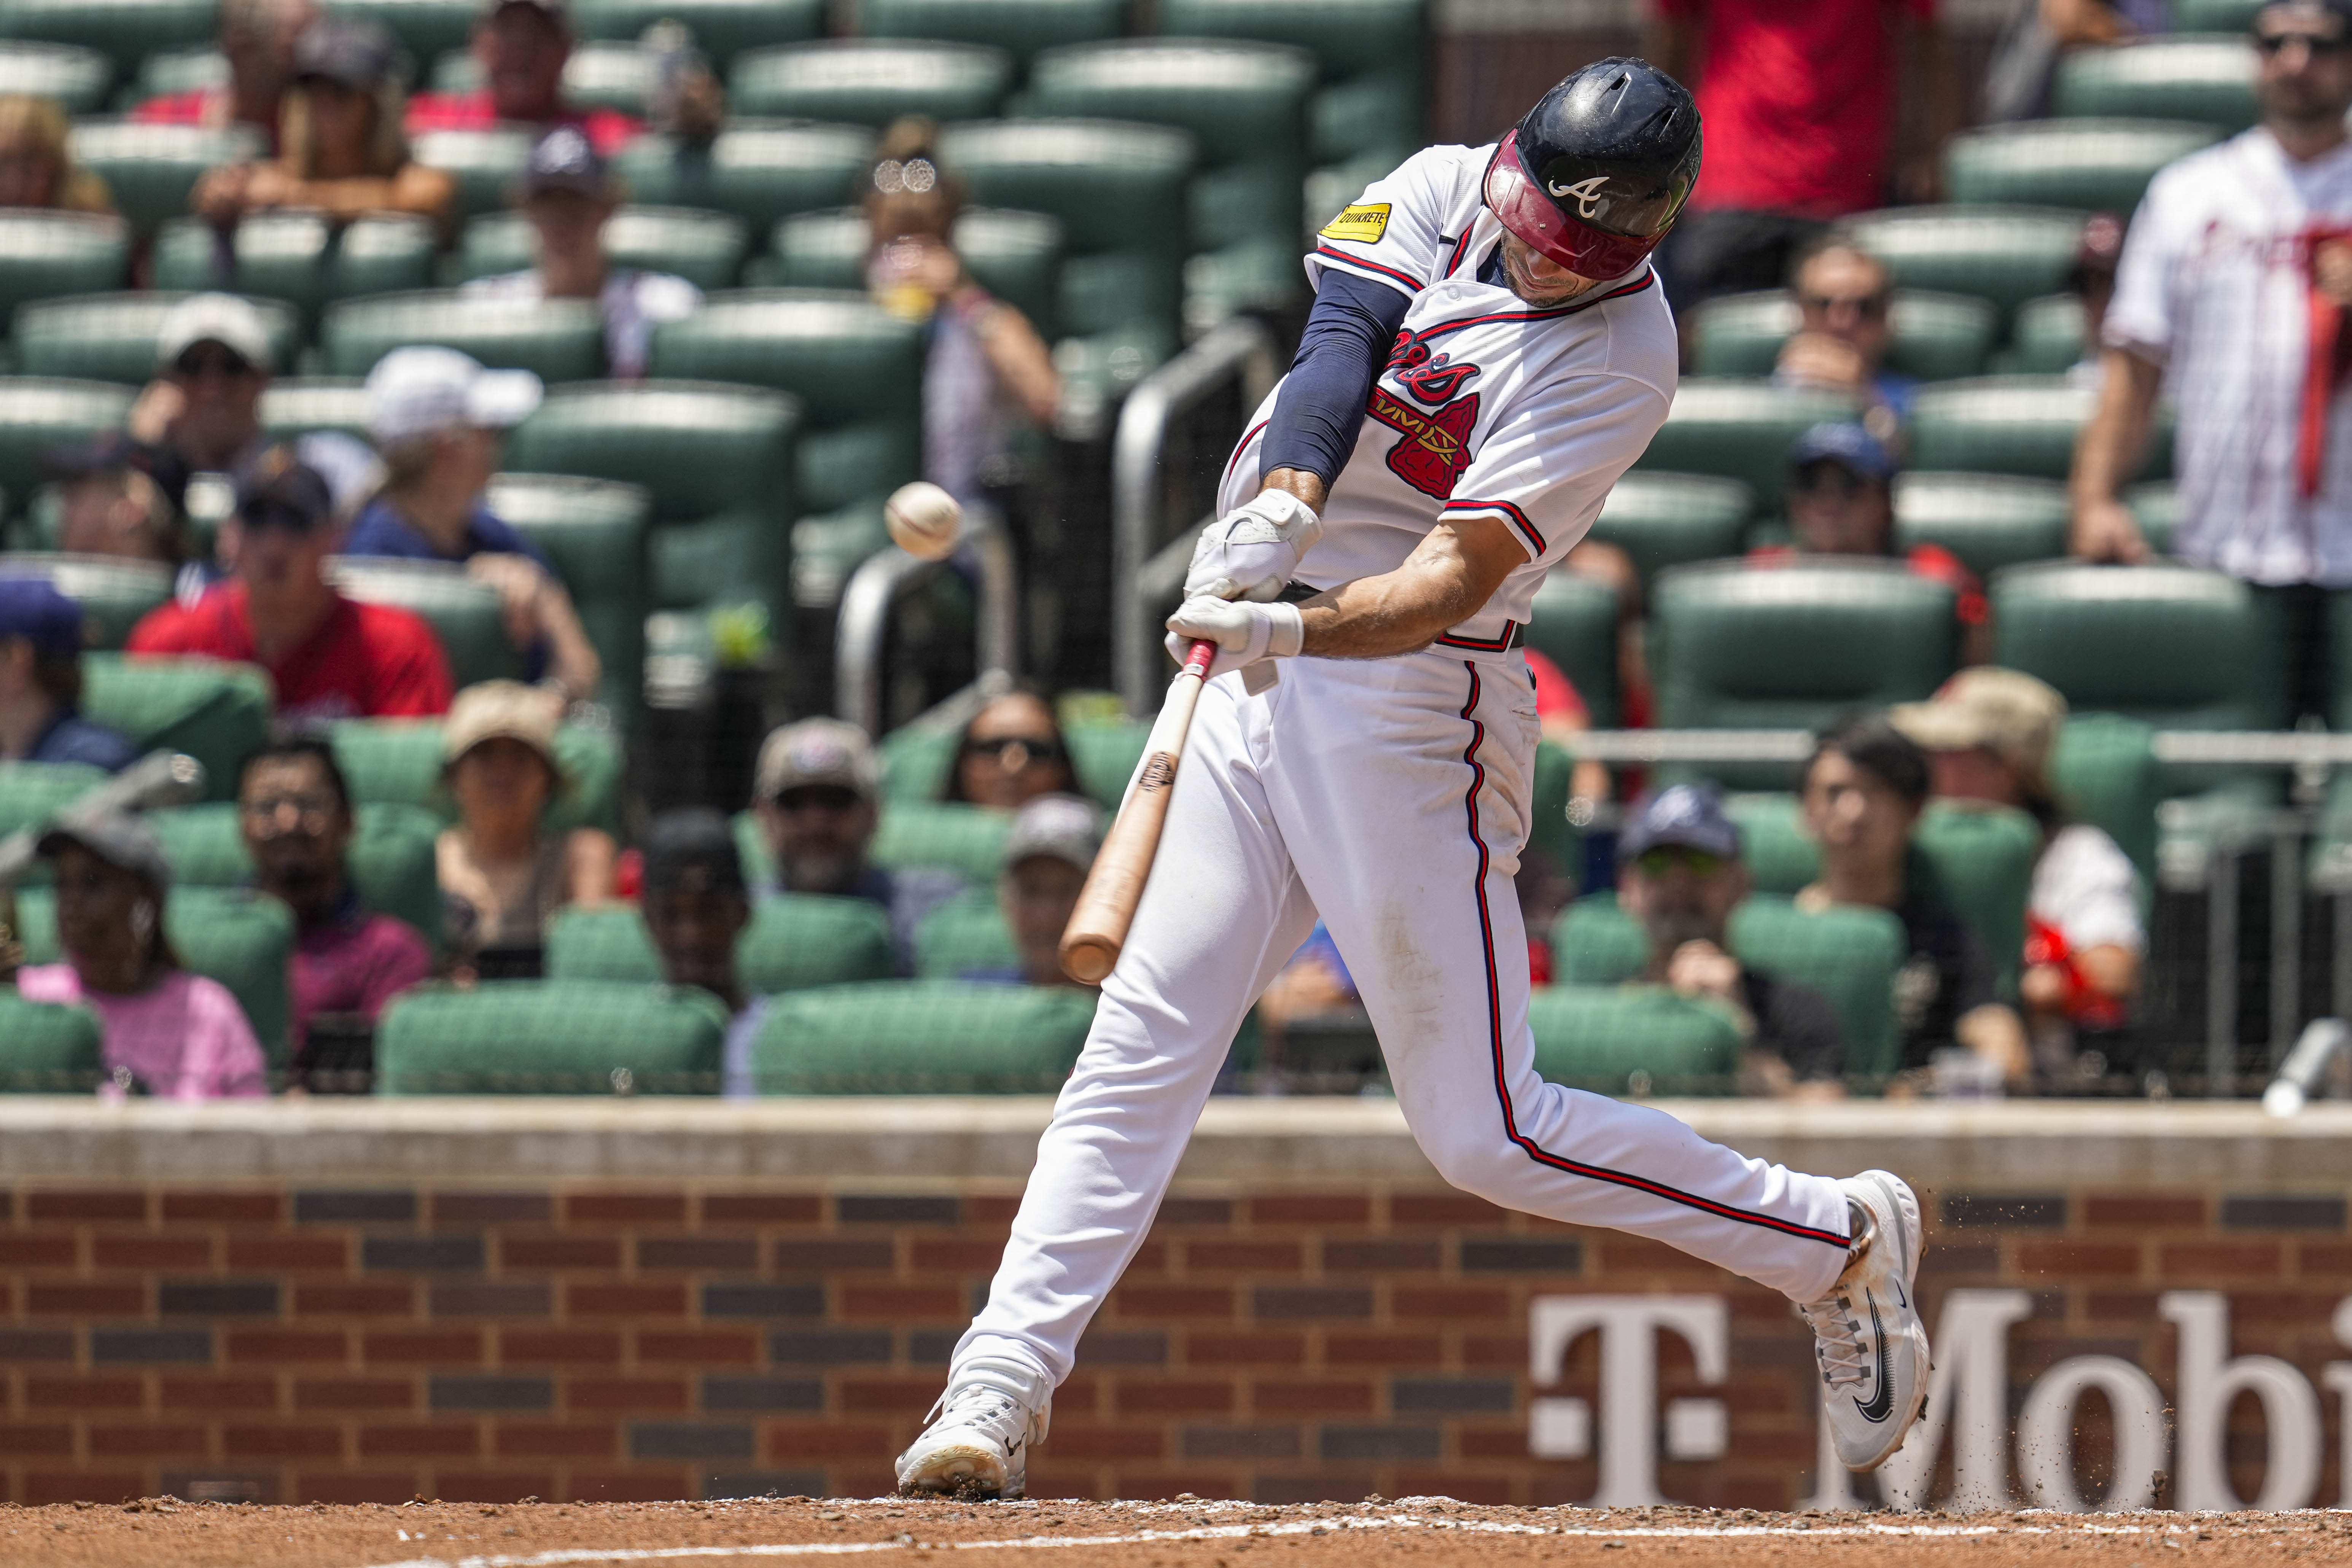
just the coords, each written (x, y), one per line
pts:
(2215, 16)
(114, 593)
(722, 28)
(1661, 519)
(594, 531)
(215, 711)
(717, 461)
(171, 71)
(2004, 254)
(2045, 338)
(1574, 624)
(487, 164)
(1641, 1039)
(1740, 428)
(760, 170)
(1936, 336)
(915, 759)
(1015, 256)
(858, 375)
(794, 942)
(558, 339)
(1369, 55)
(2155, 506)
(966, 839)
(37, 413)
(123, 30)
(705, 248)
(966, 933)
(398, 762)
(1105, 756)
(1783, 862)
(32, 792)
(2106, 773)
(2207, 79)
(111, 337)
(2012, 424)
(1022, 27)
(871, 81)
(425, 29)
(47, 254)
(234, 935)
(464, 613)
(296, 405)
(1989, 520)
(2097, 165)
(300, 258)
(922, 1036)
(151, 169)
(1983, 855)
(74, 77)
(617, 75)
(391, 855)
(548, 1036)
(47, 1049)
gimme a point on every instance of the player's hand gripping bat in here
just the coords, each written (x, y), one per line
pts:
(1098, 927)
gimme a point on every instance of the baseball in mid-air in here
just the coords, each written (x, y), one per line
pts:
(924, 520)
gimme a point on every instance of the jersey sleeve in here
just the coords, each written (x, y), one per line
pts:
(2140, 316)
(1391, 234)
(1550, 462)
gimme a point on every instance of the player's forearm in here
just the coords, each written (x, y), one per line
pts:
(2112, 444)
(1444, 582)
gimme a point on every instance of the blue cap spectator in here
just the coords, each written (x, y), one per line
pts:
(40, 682)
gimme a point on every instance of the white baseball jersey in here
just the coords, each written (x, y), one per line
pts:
(1488, 405)
(2214, 285)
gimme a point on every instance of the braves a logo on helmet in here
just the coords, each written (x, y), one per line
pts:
(1586, 192)
(1431, 378)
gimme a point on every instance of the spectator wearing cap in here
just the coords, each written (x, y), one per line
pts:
(1988, 734)
(568, 193)
(169, 1033)
(1860, 795)
(438, 420)
(1844, 297)
(816, 792)
(1679, 873)
(40, 682)
(109, 501)
(201, 413)
(37, 161)
(504, 871)
(2092, 280)
(1046, 857)
(696, 904)
(257, 41)
(522, 46)
(340, 147)
(295, 812)
(331, 658)
(1011, 751)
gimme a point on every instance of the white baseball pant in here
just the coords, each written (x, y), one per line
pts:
(1393, 797)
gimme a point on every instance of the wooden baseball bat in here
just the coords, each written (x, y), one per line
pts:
(1105, 906)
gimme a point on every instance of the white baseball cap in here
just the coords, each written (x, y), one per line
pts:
(222, 318)
(423, 389)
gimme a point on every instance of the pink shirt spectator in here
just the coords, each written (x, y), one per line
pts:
(185, 1040)
(354, 965)
(608, 130)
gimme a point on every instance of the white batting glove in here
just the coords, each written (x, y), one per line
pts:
(1244, 631)
(1251, 551)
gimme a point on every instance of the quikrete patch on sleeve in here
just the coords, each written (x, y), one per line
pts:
(1364, 225)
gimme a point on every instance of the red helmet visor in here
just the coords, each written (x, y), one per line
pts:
(1520, 203)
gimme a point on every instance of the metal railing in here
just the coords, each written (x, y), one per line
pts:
(861, 631)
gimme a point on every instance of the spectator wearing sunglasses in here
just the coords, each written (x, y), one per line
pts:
(201, 413)
(1680, 875)
(1012, 751)
(1844, 298)
(816, 792)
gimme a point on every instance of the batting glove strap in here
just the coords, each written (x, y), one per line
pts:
(1244, 631)
(1251, 551)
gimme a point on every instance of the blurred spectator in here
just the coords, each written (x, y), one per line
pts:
(1845, 295)
(329, 657)
(1046, 857)
(40, 682)
(1679, 873)
(438, 418)
(2231, 291)
(349, 960)
(816, 793)
(1315, 983)
(1800, 106)
(522, 46)
(202, 414)
(1011, 753)
(503, 869)
(256, 40)
(1860, 794)
(340, 147)
(37, 165)
(109, 502)
(169, 1033)
(1562, 712)
(2093, 281)
(1989, 735)
(1841, 501)
(696, 905)
(568, 193)
(986, 362)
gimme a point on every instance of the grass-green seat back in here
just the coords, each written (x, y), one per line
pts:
(594, 531)
(722, 28)
(556, 340)
(44, 254)
(111, 337)
(1574, 624)
(2215, 16)
(1015, 256)
(1024, 28)
(123, 30)
(2155, 507)
(37, 413)
(795, 940)
(1984, 857)
(1104, 756)
(114, 592)
(391, 855)
(2004, 254)
(1661, 519)
(2106, 773)
(486, 164)
(1741, 428)
(760, 170)
(2179, 647)
(2097, 165)
(1369, 54)
(599, 74)
(464, 613)
(425, 28)
(2047, 337)
(950, 835)
(1598, 1037)
(75, 77)
(151, 169)
(299, 257)
(916, 758)
(1987, 521)
(49, 1049)
(966, 933)
(922, 1036)
(706, 248)
(2205, 79)
(549, 1037)
(2013, 424)
(871, 81)
(1936, 336)
(32, 792)
(231, 934)
(297, 406)
(399, 761)
(215, 711)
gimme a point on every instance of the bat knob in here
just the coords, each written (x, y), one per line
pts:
(1089, 959)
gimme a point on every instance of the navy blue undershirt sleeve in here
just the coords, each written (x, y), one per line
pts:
(1349, 335)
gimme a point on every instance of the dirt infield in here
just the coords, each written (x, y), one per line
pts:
(1424, 1533)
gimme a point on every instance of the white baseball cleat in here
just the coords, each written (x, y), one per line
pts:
(977, 1445)
(1867, 1332)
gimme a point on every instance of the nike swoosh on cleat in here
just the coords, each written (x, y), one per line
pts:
(1882, 1404)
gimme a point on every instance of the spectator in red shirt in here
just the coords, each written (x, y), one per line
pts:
(1799, 105)
(256, 40)
(522, 46)
(332, 659)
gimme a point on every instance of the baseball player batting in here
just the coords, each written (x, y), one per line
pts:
(1488, 350)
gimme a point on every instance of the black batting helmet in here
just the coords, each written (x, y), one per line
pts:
(1594, 174)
